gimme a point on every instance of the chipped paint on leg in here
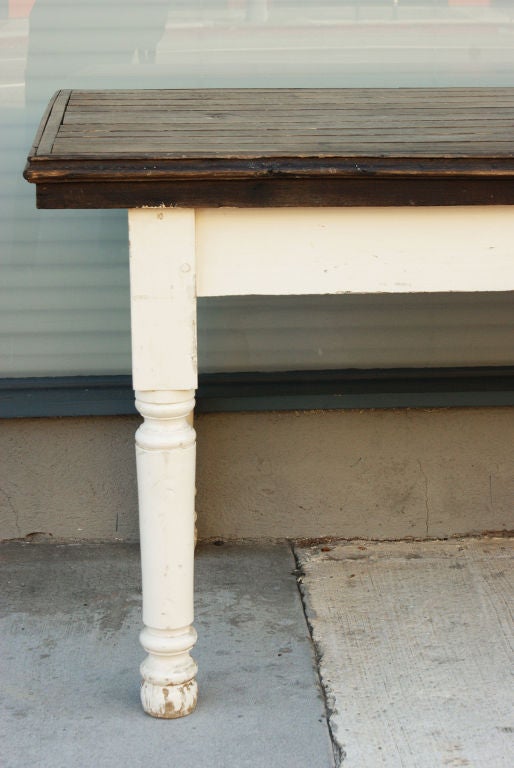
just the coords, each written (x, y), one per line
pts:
(171, 701)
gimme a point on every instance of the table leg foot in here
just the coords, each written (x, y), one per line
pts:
(169, 689)
(171, 701)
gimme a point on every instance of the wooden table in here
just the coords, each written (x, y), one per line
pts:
(266, 192)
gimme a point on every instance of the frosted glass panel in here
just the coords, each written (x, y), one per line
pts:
(64, 274)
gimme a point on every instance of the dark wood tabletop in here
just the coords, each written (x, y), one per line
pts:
(275, 147)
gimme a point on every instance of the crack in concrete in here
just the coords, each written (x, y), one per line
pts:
(427, 503)
(13, 510)
(328, 700)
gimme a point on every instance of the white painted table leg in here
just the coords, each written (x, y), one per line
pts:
(163, 304)
(165, 451)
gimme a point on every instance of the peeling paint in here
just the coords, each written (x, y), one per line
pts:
(169, 702)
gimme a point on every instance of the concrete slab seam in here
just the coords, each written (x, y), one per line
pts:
(328, 699)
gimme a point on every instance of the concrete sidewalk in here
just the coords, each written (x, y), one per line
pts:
(415, 647)
(413, 640)
(70, 656)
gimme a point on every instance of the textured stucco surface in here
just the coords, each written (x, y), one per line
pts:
(371, 474)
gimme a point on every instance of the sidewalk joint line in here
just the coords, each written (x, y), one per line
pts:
(299, 573)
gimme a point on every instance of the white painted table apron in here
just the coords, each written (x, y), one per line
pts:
(177, 254)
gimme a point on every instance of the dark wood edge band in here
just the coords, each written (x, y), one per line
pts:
(45, 169)
(266, 193)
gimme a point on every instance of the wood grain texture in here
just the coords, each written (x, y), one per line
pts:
(262, 147)
(52, 123)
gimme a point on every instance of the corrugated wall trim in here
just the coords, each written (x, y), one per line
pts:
(288, 390)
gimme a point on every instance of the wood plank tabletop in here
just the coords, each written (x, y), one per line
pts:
(264, 147)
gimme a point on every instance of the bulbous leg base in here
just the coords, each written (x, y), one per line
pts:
(170, 701)
(169, 688)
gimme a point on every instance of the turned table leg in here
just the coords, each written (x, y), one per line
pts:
(163, 307)
(165, 451)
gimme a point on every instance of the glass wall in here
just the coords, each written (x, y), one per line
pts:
(64, 274)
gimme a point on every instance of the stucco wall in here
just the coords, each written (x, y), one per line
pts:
(377, 474)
